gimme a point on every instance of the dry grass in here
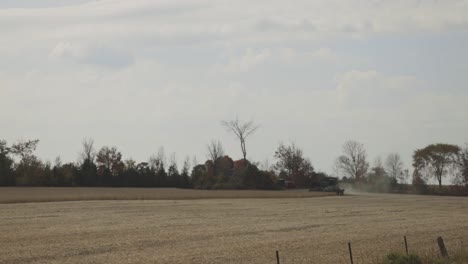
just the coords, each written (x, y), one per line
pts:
(305, 230)
(45, 194)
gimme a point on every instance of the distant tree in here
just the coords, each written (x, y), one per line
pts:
(24, 149)
(110, 165)
(184, 175)
(379, 179)
(336, 169)
(377, 171)
(218, 172)
(88, 152)
(289, 159)
(158, 166)
(418, 182)
(266, 166)
(4, 150)
(173, 173)
(158, 161)
(54, 176)
(394, 167)
(291, 163)
(379, 167)
(438, 159)
(87, 172)
(250, 177)
(70, 170)
(199, 176)
(194, 160)
(214, 152)
(62, 174)
(146, 176)
(242, 130)
(142, 166)
(129, 176)
(130, 164)
(6, 165)
(29, 170)
(305, 175)
(463, 166)
(353, 163)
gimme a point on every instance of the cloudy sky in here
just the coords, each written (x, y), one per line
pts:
(143, 74)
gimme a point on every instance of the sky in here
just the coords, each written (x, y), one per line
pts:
(145, 74)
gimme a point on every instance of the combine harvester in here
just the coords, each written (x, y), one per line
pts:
(327, 184)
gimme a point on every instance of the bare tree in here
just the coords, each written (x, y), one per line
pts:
(186, 167)
(58, 162)
(88, 153)
(173, 160)
(336, 168)
(353, 163)
(215, 150)
(158, 161)
(242, 130)
(378, 162)
(265, 165)
(172, 170)
(394, 167)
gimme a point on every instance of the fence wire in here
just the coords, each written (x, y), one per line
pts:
(372, 252)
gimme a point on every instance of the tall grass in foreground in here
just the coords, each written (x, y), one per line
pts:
(398, 258)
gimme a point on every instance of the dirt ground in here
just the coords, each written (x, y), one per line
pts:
(304, 230)
(46, 194)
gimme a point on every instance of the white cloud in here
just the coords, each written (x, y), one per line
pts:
(68, 50)
(251, 58)
(148, 71)
(232, 22)
(370, 88)
(248, 60)
(321, 55)
(96, 55)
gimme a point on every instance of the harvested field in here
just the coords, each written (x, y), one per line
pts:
(304, 230)
(45, 194)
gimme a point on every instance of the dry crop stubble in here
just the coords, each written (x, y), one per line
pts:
(48, 194)
(304, 230)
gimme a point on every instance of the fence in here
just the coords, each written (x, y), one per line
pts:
(363, 252)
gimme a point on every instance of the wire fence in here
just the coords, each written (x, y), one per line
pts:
(365, 251)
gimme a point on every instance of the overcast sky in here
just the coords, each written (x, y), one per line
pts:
(143, 74)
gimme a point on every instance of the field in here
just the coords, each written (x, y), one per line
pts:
(228, 230)
(44, 194)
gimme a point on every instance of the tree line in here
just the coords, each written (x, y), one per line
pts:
(435, 161)
(19, 166)
(105, 167)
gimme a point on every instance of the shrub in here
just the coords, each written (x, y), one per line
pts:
(397, 258)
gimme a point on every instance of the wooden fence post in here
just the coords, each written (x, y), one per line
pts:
(277, 257)
(406, 246)
(443, 249)
(350, 253)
